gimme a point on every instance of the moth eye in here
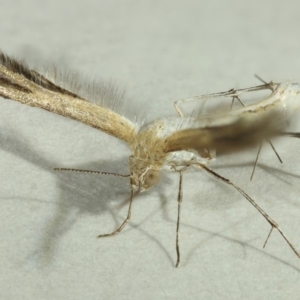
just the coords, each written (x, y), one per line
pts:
(152, 177)
(207, 153)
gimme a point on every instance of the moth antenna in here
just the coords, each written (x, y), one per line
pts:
(111, 174)
(91, 172)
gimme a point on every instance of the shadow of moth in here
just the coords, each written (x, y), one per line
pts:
(175, 144)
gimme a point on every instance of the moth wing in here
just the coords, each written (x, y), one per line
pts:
(225, 133)
(19, 83)
(234, 94)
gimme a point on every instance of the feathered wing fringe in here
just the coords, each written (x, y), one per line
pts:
(18, 82)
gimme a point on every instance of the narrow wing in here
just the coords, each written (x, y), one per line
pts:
(232, 93)
(225, 137)
(239, 128)
(19, 83)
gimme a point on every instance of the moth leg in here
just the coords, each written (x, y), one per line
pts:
(124, 222)
(258, 152)
(291, 134)
(111, 174)
(179, 201)
(257, 207)
(260, 146)
(239, 100)
(256, 160)
(231, 93)
(271, 144)
(271, 85)
(177, 103)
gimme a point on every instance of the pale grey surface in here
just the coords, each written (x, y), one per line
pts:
(162, 51)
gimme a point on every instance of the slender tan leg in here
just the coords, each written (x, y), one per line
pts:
(125, 221)
(261, 211)
(256, 160)
(179, 201)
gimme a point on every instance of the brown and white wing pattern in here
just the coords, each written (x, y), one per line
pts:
(238, 133)
(19, 83)
(239, 128)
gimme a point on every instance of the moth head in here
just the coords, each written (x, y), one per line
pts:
(145, 180)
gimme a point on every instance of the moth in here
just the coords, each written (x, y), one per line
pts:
(175, 144)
